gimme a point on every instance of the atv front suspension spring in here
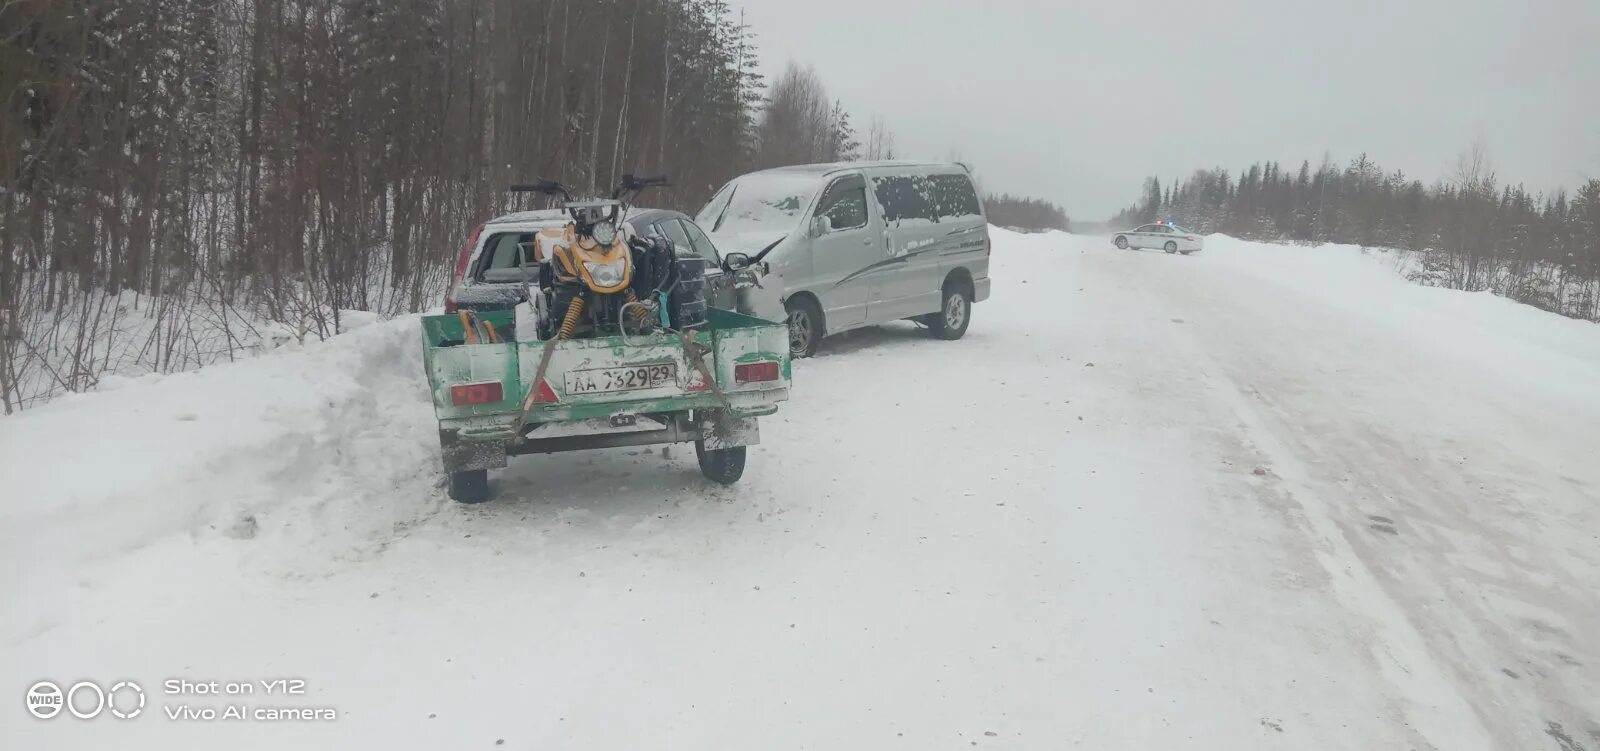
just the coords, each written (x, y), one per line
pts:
(639, 312)
(570, 322)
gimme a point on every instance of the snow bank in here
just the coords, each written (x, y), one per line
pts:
(1489, 334)
(262, 447)
(88, 337)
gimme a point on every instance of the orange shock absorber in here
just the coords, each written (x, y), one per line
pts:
(637, 311)
(570, 322)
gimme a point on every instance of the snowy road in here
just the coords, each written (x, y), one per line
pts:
(1259, 497)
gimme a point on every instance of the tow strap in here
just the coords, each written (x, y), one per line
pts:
(538, 378)
(694, 352)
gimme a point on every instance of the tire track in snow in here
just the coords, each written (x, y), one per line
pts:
(1445, 720)
(1490, 488)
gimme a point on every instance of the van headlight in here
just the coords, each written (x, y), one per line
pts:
(607, 274)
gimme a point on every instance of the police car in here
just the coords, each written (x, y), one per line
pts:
(1160, 236)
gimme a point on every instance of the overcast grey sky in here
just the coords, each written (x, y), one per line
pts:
(1077, 102)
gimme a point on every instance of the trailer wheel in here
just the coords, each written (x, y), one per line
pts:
(723, 466)
(471, 486)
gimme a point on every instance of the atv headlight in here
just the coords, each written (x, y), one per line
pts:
(604, 233)
(607, 274)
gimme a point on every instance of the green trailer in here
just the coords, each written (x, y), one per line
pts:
(705, 387)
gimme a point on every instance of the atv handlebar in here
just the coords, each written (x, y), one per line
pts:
(631, 184)
(547, 187)
(628, 184)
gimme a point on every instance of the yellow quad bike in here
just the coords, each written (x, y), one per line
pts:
(594, 281)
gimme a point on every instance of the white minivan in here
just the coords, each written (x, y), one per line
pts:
(858, 244)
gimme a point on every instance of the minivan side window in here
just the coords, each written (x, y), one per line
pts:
(930, 197)
(954, 196)
(902, 197)
(845, 204)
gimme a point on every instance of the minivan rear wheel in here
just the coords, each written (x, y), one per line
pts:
(955, 313)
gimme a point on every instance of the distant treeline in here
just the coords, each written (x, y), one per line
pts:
(1470, 232)
(1006, 210)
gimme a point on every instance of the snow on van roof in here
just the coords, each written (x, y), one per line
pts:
(830, 167)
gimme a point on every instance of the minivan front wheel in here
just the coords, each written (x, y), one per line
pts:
(954, 315)
(805, 327)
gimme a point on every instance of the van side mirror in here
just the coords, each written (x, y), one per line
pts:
(735, 261)
(821, 225)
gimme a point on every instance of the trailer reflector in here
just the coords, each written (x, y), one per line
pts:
(544, 394)
(695, 381)
(468, 394)
(755, 372)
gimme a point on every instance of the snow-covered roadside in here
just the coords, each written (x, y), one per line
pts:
(1439, 446)
(1485, 333)
(1214, 501)
(253, 449)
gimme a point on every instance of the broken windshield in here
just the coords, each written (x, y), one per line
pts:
(760, 202)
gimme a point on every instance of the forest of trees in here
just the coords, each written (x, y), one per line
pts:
(185, 169)
(1468, 231)
(1032, 214)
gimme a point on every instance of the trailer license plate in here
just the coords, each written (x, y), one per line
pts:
(603, 380)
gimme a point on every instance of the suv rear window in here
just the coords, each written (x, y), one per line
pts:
(931, 197)
(503, 251)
